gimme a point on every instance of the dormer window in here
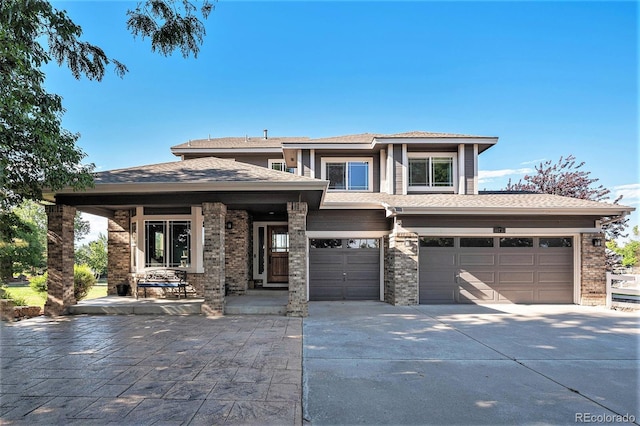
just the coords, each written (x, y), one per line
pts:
(348, 174)
(281, 166)
(432, 171)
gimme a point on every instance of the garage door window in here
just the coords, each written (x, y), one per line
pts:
(364, 243)
(436, 242)
(516, 242)
(555, 242)
(476, 242)
(325, 243)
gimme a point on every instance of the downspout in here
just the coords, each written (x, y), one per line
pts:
(613, 219)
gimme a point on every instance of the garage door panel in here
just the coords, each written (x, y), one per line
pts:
(516, 260)
(354, 292)
(515, 277)
(437, 276)
(438, 259)
(470, 294)
(554, 295)
(515, 296)
(435, 294)
(556, 277)
(557, 259)
(326, 293)
(478, 276)
(476, 259)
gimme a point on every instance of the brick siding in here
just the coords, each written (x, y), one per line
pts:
(593, 287)
(119, 249)
(401, 269)
(60, 259)
(214, 258)
(297, 306)
(237, 252)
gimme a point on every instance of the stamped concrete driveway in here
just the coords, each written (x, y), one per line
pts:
(372, 363)
(148, 370)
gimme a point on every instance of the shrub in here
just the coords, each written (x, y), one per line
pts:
(39, 283)
(83, 280)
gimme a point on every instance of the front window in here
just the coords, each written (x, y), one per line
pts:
(167, 243)
(347, 174)
(429, 172)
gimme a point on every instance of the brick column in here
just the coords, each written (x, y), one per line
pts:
(118, 250)
(214, 259)
(297, 306)
(60, 259)
(401, 269)
(237, 251)
(593, 286)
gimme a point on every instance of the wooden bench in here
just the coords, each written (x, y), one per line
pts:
(174, 279)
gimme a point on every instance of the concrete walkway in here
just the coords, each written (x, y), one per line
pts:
(143, 370)
(372, 363)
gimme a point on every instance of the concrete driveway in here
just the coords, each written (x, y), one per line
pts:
(372, 363)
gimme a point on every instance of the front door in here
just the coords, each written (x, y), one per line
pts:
(278, 254)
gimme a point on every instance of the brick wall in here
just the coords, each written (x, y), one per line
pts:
(593, 287)
(214, 215)
(60, 259)
(237, 252)
(119, 249)
(401, 269)
(297, 306)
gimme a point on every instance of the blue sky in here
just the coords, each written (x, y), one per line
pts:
(549, 79)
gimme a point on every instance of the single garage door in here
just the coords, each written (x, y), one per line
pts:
(496, 269)
(344, 269)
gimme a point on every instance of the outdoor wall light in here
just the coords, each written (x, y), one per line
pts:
(229, 225)
(407, 243)
(597, 242)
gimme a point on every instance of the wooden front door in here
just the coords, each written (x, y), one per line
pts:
(278, 254)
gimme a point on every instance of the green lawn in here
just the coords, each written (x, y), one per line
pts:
(36, 299)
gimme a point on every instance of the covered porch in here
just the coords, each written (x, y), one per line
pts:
(202, 223)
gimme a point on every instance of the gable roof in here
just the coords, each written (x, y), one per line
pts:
(480, 204)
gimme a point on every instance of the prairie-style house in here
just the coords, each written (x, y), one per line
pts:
(392, 217)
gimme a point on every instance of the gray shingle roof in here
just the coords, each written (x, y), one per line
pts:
(534, 203)
(200, 170)
(275, 142)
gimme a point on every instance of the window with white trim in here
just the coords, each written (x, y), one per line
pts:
(432, 171)
(281, 166)
(167, 243)
(348, 174)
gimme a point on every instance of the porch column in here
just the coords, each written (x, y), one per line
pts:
(297, 306)
(214, 259)
(401, 269)
(237, 251)
(119, 250)
(60, 259)
(593, 286)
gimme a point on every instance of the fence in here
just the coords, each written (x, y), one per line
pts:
(623, 290)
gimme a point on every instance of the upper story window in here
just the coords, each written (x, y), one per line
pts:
(348, 174)
(281, 166)
(431, 171)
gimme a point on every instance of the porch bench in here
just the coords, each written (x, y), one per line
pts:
(174, 279)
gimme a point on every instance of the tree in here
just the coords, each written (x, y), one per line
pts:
(81, 227)
(20, 247)
(35, 150)
(630, 252)
(568, 179)
(94, 254)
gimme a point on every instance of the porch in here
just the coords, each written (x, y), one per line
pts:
(254, 302)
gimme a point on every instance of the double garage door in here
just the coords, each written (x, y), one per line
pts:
(496, 270)
(344, 269)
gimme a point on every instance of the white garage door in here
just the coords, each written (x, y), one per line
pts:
(496, 269)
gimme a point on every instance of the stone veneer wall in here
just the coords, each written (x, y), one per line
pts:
(593, 287)
(60, 259)
(196, 281)
(214, 215)
(401, 269)
(119, 249)
(237, 252)
(297, 306)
